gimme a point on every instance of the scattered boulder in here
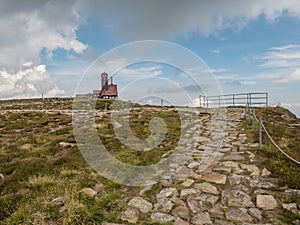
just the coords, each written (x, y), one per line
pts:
(292, 207)
(266, 202)
(130, 215)
(89, 192)
(265, 172)
(60, 201)
(66, 144)
(143, 205)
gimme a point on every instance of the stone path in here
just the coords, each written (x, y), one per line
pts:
(232, 190)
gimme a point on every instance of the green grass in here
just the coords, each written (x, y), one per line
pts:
(38, 169)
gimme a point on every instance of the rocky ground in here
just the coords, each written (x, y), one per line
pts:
(232, 190)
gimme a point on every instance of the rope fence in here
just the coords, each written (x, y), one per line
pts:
(252, 116)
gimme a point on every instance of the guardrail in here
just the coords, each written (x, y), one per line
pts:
(241, 99)
(251, 115)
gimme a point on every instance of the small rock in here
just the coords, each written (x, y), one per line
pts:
(251, 155)
(292, 192)
(238, 214)
(292, 207)
(260, 182)
(234, 157)
(167, 192)
(161, 217)
(236, 198)
(166, 182)
(163, 205)
(201, 219)
(179, 221)
(130, 215)
(255, 213)
(217, 212)
(215, 178)
(193, 165)
(254, 170)
(207, 188)
(195, 204)
(1, 176)
(107, 223)
(265, 172)
(146, 188)
(266, 202)
(238, 179)
(182, 212)
(186, 192)
(60, 201)
(89, 192)
(208, 200)
(99, 188)
(230, 164)
(141, 204)
(66, 144)
(222, 169)
(188, 183)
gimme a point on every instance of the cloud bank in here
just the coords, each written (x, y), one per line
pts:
(30, 27)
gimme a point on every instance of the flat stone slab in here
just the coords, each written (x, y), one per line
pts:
(266, 202)
(238, 214)
(207, 188)
(215, 178)
(234, 157)
(167, 192)
(201, 219)
(141, 204)
(236, 198)
(162, 217)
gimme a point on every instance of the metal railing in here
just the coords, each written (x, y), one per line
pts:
(241, 99)
(251, 115)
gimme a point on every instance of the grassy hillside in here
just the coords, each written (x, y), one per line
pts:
(40, 162)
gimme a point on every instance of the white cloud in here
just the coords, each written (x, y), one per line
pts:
(26, 29)
(169, 18)
(216, 51)
(138, 73)
(289, 77)
(30, 81)
(247, 82)
(282, 57)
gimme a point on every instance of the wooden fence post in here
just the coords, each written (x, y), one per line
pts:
(260, 132)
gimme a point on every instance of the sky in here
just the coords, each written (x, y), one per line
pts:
(247, 46)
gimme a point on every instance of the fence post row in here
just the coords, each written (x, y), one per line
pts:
(260, 132)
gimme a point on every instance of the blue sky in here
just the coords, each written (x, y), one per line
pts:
(249, 46)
